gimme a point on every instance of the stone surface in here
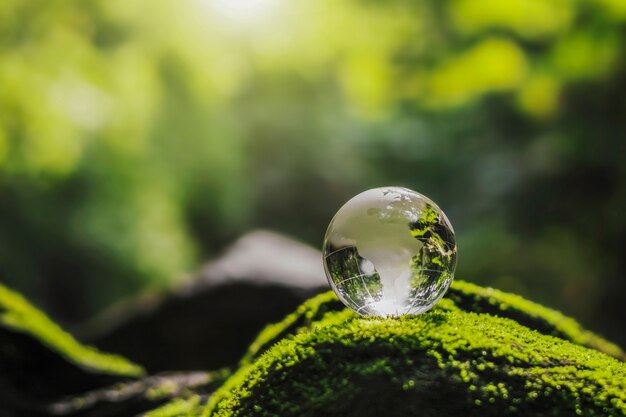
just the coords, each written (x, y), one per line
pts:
(262, 277)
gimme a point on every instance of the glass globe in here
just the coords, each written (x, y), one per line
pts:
(389, 251)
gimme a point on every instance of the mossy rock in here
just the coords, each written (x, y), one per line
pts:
(460, 296)
(471, 297)
(40, 362)
(478, 352)
(44, 371)
(502, 359)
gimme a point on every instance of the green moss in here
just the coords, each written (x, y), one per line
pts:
(18, 315)
(444, 362)
(461, 296)
(178, 407)
(479, 352)
(470, 297)
(301, 319)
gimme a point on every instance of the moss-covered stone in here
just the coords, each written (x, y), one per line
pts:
(442, 363)
(40, 362)
(471, 297)
(502, 358)
(44, 371)
(461, 296)
(18, 315)
(478, 352)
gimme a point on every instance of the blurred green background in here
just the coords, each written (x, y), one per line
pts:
(139, 138)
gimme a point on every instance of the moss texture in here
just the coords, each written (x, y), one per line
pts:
(460, 296)
(40, 363)
(471, 297)
(501, 359)
(18, 315)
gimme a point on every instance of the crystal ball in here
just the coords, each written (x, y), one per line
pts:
(389, 251)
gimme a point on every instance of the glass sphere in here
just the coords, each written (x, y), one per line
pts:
(389, 251)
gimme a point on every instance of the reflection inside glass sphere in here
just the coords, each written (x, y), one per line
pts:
(390, 251)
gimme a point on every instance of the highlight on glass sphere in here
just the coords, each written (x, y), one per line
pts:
(389, 251)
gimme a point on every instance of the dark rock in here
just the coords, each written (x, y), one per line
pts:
(208, 321)
(40, 362)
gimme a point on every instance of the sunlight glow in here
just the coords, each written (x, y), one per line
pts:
(241, 12)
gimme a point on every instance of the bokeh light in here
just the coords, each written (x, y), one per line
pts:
(138, 139)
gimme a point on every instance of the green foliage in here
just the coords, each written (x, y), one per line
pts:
(127, 135)
(443, 362)
(438, 253)
(18, 315)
